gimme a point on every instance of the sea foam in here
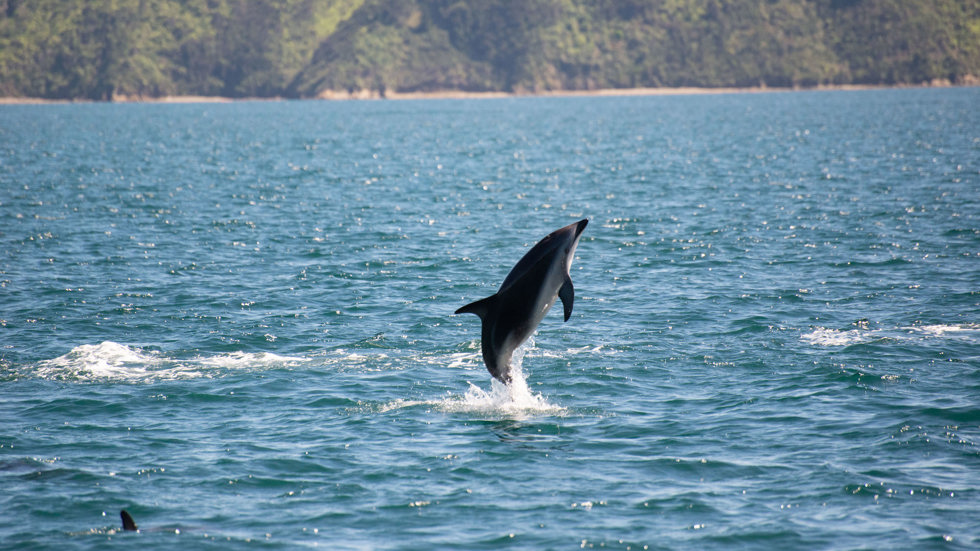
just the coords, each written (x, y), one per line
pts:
(107, 360)
(823, 336)
(112, 361)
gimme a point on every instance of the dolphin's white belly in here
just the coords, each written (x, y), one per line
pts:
(549, 293)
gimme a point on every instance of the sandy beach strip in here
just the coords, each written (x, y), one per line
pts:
(330, 95)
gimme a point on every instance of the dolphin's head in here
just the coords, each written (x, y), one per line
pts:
(570, 235)
(559, 244)
(577, 228)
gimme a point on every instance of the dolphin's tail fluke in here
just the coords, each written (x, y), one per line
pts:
(480, 307)
(127, 521)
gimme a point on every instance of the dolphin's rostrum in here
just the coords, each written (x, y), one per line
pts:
(512, 314)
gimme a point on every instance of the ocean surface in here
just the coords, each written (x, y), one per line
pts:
(235, 321)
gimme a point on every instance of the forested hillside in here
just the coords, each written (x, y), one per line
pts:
(104, 49)
(101, 48)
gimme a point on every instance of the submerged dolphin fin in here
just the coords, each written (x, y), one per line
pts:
(127, 521)
(567, 296)
(480, 307)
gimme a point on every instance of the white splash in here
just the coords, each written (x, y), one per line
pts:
(515, 400)
(118, 362)
(107, 360)
(949, 330)
(237, 360)
(822, 336)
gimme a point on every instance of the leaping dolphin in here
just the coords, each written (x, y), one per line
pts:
(512, 314)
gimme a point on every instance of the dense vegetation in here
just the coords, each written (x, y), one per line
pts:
(99, 49)
(102, 49)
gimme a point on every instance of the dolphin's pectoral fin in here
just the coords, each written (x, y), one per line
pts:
(567, 296)
(127, 521)
(480, 307)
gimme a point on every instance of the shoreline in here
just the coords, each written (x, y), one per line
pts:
(332, 95)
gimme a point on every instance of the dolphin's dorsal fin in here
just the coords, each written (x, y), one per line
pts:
(567, 296)
(480, 307)
(128, 523)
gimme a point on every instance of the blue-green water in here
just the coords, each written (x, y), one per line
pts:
(235, 321)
